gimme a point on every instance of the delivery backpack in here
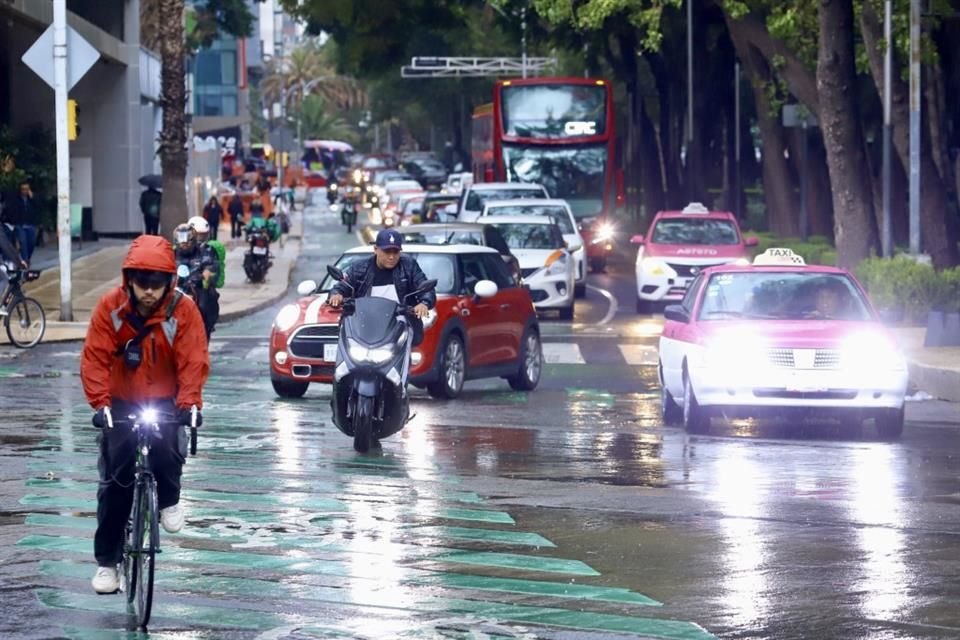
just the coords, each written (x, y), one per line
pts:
(221, 252)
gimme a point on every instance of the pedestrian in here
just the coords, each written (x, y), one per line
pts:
(145, 347)
(24, 215)
(235, 209)
(150, 208)
(213, 212)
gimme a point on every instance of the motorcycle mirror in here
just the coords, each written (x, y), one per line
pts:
(335, 273)
(183, 271)
(307, 287)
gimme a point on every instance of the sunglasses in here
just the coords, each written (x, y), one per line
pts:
(158, 281)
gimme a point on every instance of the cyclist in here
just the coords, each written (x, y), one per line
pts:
(204, 265)
(145, 346)
(9, 259)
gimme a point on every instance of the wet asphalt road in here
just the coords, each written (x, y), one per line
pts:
(568, 513)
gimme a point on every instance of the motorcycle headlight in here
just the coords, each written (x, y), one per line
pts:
(657, 267)
(287, 317)
(333, 186)
(360, 353)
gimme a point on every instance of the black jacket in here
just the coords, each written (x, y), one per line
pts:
(19, 211)
(407, 277)
(7, 251)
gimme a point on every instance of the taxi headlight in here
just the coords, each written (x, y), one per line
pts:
(287, 317)
(377, 355)
(737, 350)
(657, 267)
(871, 351)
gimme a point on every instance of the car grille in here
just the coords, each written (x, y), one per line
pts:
(787, 359)
(690, 270)
(308, 341)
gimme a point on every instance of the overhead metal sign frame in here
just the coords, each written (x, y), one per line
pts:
(467, 67)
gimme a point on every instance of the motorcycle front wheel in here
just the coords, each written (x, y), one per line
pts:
(363, 424)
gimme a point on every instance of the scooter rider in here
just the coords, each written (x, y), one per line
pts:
(145, 344)
(387, 274)
(205, 263)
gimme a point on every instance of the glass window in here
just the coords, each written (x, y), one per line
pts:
(228, 68)
(694, 231)
(782, 296)
(558, 213)
(477, 197)
(208, 68)
(499, 271)
(690, 298)
(474, 270)
(531, 236)
(575, 174)
(435, 266)
(554, 111)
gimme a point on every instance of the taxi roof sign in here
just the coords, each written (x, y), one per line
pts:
(779, 256)
(695, 207)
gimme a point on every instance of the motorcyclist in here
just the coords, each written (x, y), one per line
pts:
(386, 274)
(204, 266)
(145, 346)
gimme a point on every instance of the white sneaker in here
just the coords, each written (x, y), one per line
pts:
(106, 580)
(172, 518)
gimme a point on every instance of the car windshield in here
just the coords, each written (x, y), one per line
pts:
(558, 213)
(478, 197)
(531, 236)
(444, 236)
(782, 296)
(575, 174)
(694, 231)
(440, 267)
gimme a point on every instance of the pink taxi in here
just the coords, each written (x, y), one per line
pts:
(681, 244)
(783, 338)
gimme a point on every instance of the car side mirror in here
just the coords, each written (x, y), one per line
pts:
(676, 313)
(751, 241)
(307, 287)
(335, 273)
(637, 239)
(574, 245)
(485, 289)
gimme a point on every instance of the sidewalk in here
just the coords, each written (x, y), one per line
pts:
(97, 270)
(935, 370)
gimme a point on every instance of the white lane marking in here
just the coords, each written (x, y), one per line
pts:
(562, 353)
(214, 346)
(642, 355)
(260, 353)
(612, 299)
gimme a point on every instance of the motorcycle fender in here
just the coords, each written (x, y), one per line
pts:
(368, 386)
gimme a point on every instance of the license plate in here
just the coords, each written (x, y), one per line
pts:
(801, 384)
(330, 352)
(260, 251)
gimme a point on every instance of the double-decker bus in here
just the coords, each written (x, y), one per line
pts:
(558, 132)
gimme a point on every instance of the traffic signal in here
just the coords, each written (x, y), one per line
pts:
(283, 158)
(72, 129)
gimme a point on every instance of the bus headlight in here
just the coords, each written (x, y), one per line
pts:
(604, 232)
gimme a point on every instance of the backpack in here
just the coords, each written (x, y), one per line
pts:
(221, 252)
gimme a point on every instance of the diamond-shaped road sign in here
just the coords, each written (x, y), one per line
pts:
(80, 57)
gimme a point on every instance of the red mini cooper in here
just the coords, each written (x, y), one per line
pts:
(483, 326)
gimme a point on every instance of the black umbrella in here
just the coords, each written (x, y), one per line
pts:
(152, 180)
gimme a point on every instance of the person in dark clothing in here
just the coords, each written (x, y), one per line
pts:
(387, 274)
(21, 211)
(150, 208)
(235, 209)
(213, 212)
(9, 260)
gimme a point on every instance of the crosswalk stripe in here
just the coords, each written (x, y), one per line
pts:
(562, 353)
(215, 347)
(258, 353)
(639, 354)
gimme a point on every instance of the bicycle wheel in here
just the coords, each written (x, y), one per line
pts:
(149, 544)
(131, 550)
(25, 323)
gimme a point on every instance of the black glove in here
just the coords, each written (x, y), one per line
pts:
(100, 418)
(184, 415)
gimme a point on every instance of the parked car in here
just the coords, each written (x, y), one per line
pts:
(546, 264)
(474, 196)
(681, 244)
(457, 182)
(783, 338)
(431, 174)
(557, 210)
(483, 326)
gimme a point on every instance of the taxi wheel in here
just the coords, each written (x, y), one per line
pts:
(671, 412)
(289, 388)
(452, 370)
(890, 423)
(531, 363)
(695, 418)
(580, 290)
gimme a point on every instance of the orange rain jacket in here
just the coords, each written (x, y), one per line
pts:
(174, 363)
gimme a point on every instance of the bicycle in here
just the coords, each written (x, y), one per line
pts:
(142, 534)
(23, 317)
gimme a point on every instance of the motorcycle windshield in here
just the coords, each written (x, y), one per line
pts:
(373, 320)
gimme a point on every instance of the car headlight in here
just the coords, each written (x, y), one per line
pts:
(556, 264)
(604, 232)
(287, 317)
(360, 353)
(871, 351)
(657, 267)
(430, 319)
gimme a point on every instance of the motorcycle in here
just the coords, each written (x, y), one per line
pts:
(332, 193)
(348, 215)
(373, 359)
(256, 261)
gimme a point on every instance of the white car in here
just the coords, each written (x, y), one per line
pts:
(457, 182)
(475, 195)
(559, 211)
(546, 264)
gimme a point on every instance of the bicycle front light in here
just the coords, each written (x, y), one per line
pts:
(149, 416)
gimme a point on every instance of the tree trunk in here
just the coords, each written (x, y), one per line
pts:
(819, 203)
(941, 245)
(777, 178)
(173, 99)
(854, 228)
(651, 169)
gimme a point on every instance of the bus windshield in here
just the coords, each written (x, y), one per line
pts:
(575, 174)
(554, 111)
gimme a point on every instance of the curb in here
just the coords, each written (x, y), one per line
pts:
(236, 315)
(940, 383)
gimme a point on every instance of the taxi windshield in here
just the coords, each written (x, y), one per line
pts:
(694, 231)
(782, 296)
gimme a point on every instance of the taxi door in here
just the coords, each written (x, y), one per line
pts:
(677, 339)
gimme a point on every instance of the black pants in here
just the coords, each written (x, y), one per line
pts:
(116, 465)
(151, 225)
(208, 302)
(236, 226)
(214, 222)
